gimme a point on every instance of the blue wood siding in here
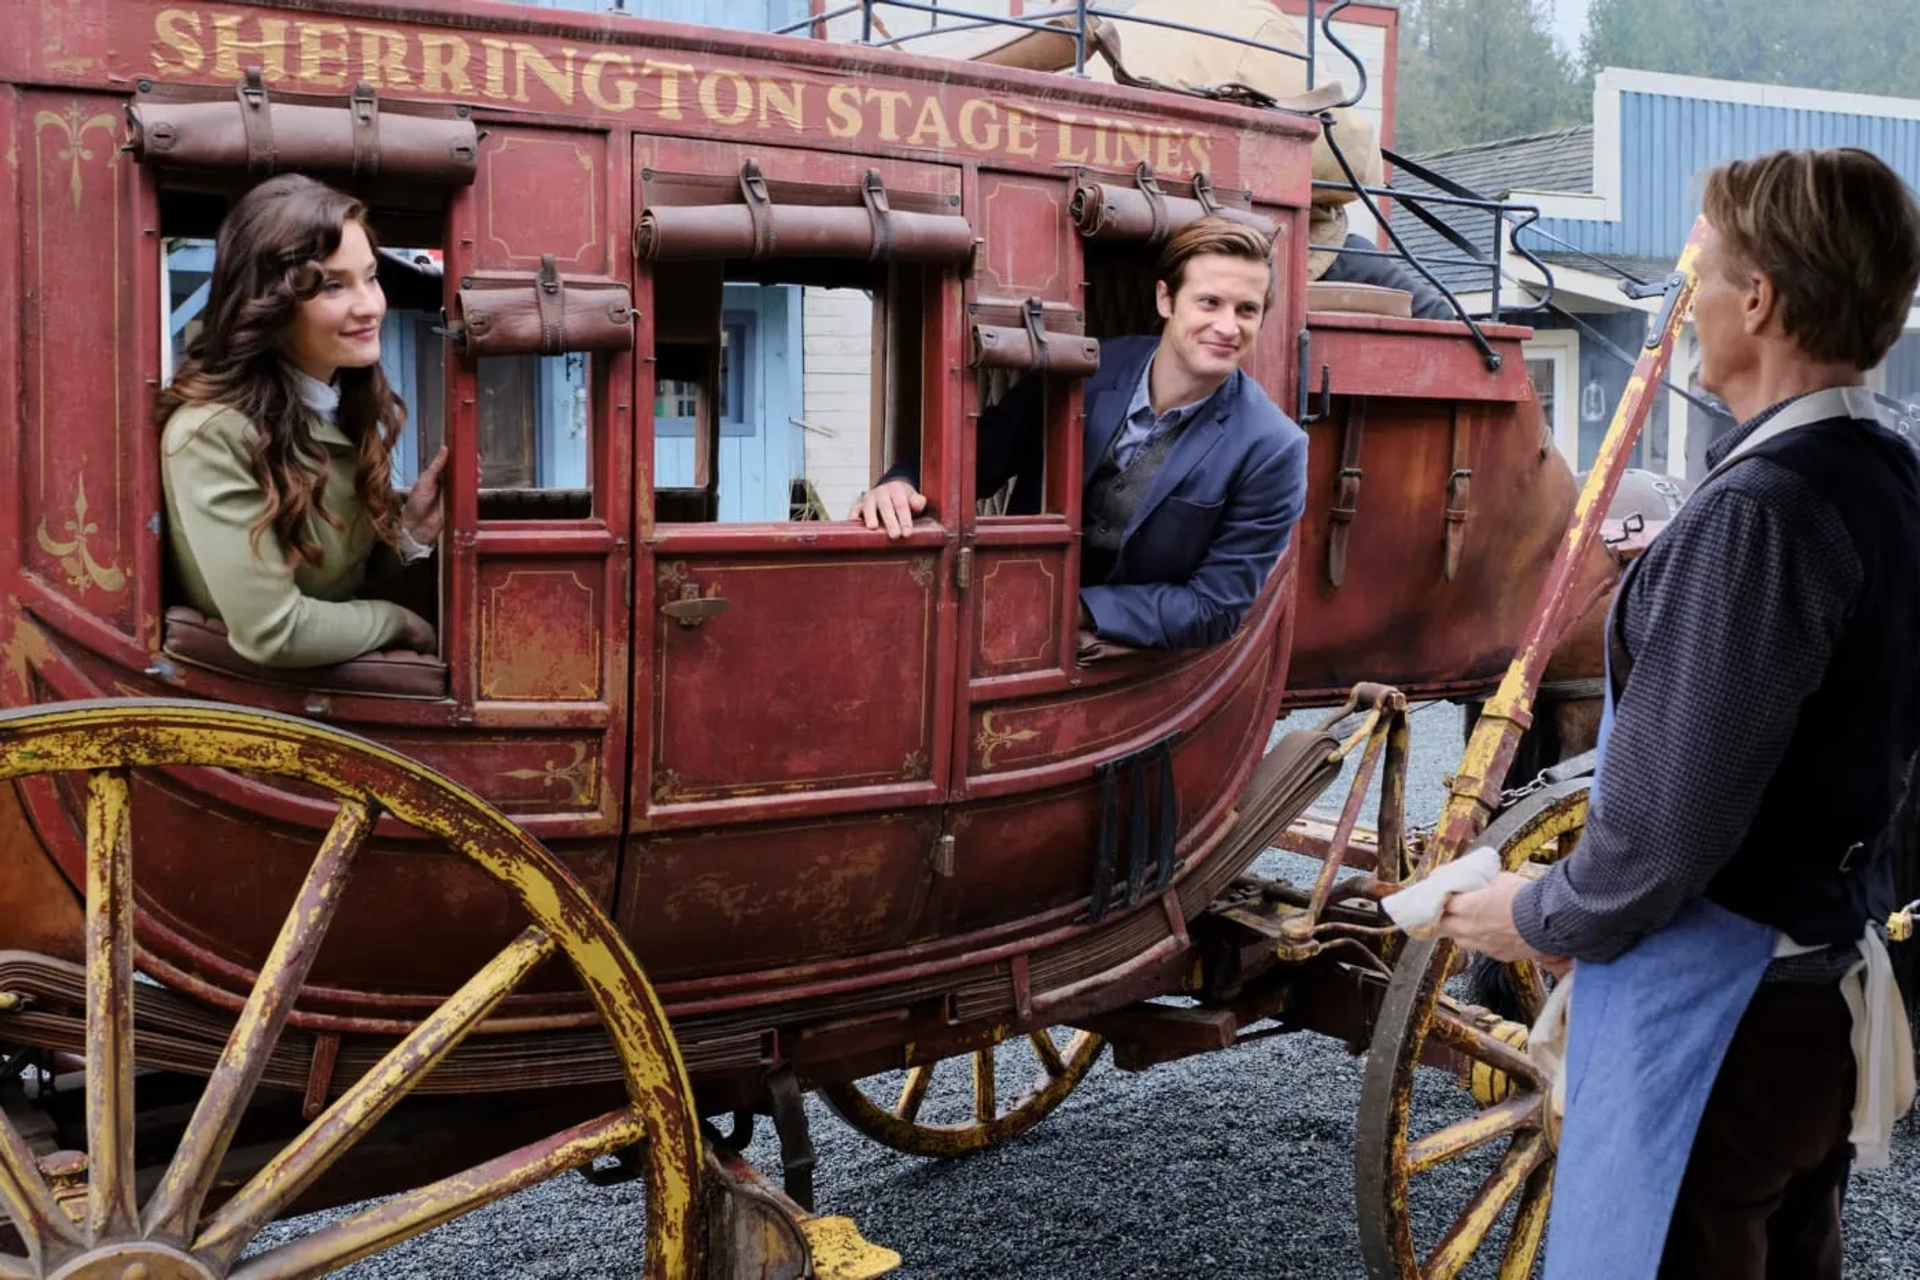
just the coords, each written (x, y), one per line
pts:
(1668, 143)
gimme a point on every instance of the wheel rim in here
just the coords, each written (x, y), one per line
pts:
(968, 1084)
(1486, 1152)
(171, 1237)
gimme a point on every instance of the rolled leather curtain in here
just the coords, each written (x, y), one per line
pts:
(674, 233)
(1121, 212)
(261, 133)
(541, 313)
(1008, 347)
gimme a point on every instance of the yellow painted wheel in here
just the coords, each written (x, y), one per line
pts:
(88, 1220)
(1451, 1169)
(953, 1107)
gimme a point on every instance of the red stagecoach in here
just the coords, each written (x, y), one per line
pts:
(689, 814)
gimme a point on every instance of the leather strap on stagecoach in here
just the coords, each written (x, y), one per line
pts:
(1346, 489)
(1152, 835)
(799, 221)
(541, 313)
(252, 129)
(1459, 490)
(1145, 213)
(1047, 339)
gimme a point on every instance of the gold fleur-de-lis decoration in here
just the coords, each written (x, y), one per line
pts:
(578, 774)
(922, 571)
(76, 129)
(992, 738)
(666, 787)
(671, 574)
(917, 767)
(76, 557)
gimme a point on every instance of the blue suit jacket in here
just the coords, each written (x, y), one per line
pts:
(1207, 534)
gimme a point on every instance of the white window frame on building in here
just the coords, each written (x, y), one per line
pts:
(1560, 348)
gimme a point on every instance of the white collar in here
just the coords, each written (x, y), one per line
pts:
(323, 398)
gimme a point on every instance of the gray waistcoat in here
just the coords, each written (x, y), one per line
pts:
(1112, 497)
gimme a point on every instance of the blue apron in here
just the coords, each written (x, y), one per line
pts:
(1661, 1015)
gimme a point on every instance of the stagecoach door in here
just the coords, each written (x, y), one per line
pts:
(791, 670)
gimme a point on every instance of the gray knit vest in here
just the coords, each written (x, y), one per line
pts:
(1112, 497)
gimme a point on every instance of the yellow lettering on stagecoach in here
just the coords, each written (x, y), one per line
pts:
(383, 58)
(322, 61)
(178, 30)
(1200, 145)
(1023, 133)
(495, 84)
(624, 90)
(669, 73)
(931, 126)
(1131, 145)
(742, 94)
(932, 121)
(843, 111)
(976, 133)
(1068, 151)
(786, 101)
(228, 45)
(559, 78)
(889, 100)
(443, 64)
(1102, 157)
(1166, 151)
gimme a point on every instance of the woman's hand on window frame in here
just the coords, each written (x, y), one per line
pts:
(423, 513)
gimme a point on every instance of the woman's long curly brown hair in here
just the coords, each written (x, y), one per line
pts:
(266, 263)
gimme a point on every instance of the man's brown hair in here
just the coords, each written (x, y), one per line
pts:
(1213, 234)
(1838, 234)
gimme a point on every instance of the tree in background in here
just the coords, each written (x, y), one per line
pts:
(1860, 46)
(1479, 70)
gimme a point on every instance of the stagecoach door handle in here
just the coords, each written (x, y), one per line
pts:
(690, 608)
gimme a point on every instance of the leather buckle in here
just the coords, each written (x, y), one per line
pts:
(874, 193)
(753, 189)
(1156, 201)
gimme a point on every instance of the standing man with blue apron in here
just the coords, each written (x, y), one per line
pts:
(1733, 1037)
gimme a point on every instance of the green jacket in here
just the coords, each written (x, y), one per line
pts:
(305, 616)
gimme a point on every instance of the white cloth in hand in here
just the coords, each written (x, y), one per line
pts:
(1417, 907)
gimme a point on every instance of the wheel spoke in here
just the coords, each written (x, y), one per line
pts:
(1050, 1060)
(361, 1107)
(1482, 1212)
(1486, 1049)
(175, 1207)
(109, 1073)
(1529, 1227)
(18, 1269)
(913, 1094)
(408, 1215)
(28, 1203)
(1476, 1131)
(986, 1102)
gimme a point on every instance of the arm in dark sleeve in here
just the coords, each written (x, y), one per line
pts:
(1253, 530)
(1009, 434)
(1389, 273)
(1731, 626)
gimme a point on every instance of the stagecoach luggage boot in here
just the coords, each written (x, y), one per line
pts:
(1176, 59)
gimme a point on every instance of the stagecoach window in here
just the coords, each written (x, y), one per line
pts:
(772, 397)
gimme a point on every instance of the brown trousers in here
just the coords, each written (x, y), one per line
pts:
(1761, 1195)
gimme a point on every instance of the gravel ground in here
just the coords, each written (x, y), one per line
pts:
(1235, 1164)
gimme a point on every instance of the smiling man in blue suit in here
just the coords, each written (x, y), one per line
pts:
(1194, 477)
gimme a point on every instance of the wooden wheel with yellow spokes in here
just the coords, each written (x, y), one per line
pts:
(954, 1107)
(1455, 1151)
(198, 1216)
